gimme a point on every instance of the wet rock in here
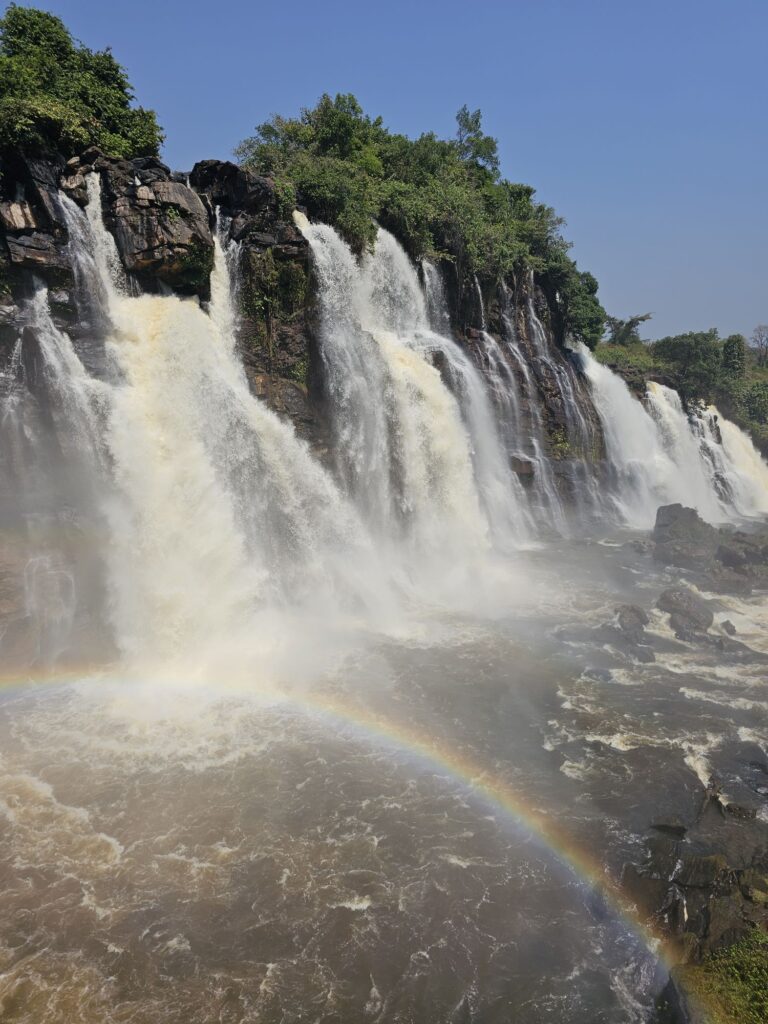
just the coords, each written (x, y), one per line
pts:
(682, 537)
(632, 619)
(687, 610)
(728, 627)
(672, 827)
(677, 1001)
(291, 401)
(600, 675)
(523, 467)
(643, 654)
(643, 547)
(741, 812)
(700, 871)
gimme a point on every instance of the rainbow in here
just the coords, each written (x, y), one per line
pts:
(463, 768)
(368, 726)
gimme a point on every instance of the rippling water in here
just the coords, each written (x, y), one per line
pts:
(210, 852)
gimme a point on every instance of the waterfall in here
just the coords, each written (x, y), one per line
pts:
(437, 303)
(580, 441)
(694, 476)
(215, 531)
(642, 473)
(521, 409)
(745, 470)
(216, 511)
(659, 454)
(415, 432)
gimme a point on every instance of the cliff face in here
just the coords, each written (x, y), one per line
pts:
(163, 225)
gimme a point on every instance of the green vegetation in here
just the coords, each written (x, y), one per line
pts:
(197, 264)
(443, 199)
(697, 361)
(638, 356)
(58, 96)
(732, 984)
(272, 293)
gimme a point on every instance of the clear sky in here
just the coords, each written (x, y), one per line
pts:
(644, 123)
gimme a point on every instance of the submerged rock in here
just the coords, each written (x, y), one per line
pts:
(672, 827)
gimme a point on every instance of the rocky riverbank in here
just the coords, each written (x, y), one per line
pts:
(704, 881)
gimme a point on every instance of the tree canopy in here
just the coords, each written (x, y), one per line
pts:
(445, 199)
(57, 95)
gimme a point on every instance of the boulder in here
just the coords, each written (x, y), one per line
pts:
(687, 609)
(17, 216)
(233, 188)
(632, 620)
(683, 538)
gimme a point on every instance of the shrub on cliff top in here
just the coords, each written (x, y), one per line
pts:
(58, 96)
(443, 198)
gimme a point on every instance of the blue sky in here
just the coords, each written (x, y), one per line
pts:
(643, 123)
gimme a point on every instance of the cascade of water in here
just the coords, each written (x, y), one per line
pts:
(642, 473)
(224, 281)
(545, 494)
(437, 303)
(741, 464)
(695, 476)
(580, 437)
(660, 455)
(393, 295)
(218, 511)
(50, 598)
(430, 454)
(480, 302)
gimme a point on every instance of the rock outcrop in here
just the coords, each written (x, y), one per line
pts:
(276, 325)
(723, 560)
(161, 226)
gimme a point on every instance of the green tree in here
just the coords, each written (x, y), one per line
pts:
(57, 95)
(696, 358)
(473, 144)
(443, 198)
(759, 344)
(756, 402)
(625, 332)
(735, 355)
